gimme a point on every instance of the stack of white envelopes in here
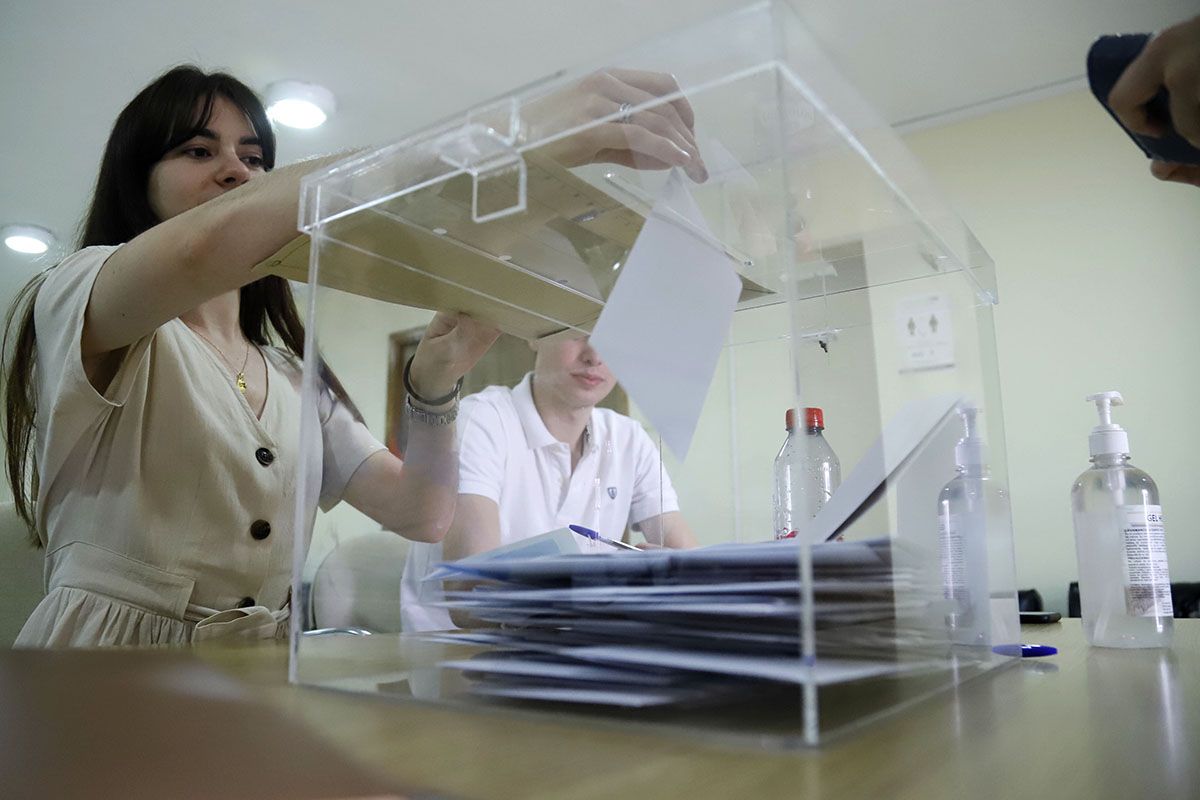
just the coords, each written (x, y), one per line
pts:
(663, 627)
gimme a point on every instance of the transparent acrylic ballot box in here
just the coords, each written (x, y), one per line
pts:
(857, 291)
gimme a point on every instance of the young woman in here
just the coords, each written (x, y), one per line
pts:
(151, 423)
(156, 421)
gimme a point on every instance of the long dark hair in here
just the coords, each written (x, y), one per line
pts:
(163, 116)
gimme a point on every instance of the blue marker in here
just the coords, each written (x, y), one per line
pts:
(591, 534)
(1025, 650)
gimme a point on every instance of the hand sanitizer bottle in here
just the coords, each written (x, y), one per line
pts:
(1124, 588)
(974, 512)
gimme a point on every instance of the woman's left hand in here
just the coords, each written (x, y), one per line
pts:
(452, 344)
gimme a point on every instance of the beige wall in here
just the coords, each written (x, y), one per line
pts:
(1099, 275)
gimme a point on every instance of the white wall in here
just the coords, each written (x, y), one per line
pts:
(1099, 275)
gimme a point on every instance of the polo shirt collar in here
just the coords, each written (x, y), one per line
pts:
(537, 435)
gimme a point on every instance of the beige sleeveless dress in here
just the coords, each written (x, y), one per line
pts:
(166, 505)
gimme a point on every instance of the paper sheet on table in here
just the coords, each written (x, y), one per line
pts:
(784, 669)
(608, 593)
(618, 696)
(667, 317)
(534, 666)
(715, 563)
(562, 541)
(762, 615)
(603, 593)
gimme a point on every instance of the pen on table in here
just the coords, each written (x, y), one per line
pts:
(1025, 650)
(591, 534)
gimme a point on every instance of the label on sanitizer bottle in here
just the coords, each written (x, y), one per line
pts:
(1147, 584)
(954, 573)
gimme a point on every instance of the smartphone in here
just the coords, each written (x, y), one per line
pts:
(1039, 617)
(1106, 60)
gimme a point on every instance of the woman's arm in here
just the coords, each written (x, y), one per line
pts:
(416, 497)
(210, 249)
(193, 257)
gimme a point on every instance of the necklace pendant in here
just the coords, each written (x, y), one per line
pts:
(241, 382)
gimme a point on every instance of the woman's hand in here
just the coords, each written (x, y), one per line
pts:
(452, 344)
(659, 137)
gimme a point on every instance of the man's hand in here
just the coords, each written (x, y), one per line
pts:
(1170, 59)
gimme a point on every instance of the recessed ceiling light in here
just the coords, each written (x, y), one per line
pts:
(299, 105)
(29, 239)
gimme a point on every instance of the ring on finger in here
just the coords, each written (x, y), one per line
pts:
(623, 111)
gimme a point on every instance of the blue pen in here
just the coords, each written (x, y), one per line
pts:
(591, 534)
(1025, 650)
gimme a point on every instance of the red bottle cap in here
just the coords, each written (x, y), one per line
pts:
(789, 419)
(814, 418)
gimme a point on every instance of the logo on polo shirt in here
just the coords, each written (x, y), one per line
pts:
(612, 493)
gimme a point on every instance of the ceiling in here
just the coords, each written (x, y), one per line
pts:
(67, 68)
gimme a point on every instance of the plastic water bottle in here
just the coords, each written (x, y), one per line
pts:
(807, 472)
(1124, 584)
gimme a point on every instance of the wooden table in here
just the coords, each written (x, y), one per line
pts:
(1087, 723)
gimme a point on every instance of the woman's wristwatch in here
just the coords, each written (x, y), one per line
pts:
(426, 414)
(432, 418)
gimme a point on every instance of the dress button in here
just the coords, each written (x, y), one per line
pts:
(247, 602)
(260, 529)
(264, 456)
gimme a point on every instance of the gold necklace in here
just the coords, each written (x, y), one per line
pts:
(240, 378)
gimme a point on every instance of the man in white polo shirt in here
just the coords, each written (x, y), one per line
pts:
(540, 457)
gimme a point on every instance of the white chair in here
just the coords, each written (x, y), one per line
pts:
(357, 585)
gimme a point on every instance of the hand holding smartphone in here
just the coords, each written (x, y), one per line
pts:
(1108, 59)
